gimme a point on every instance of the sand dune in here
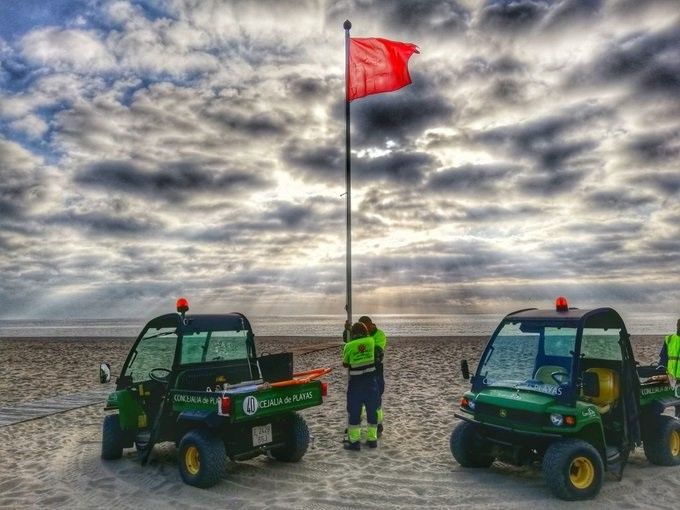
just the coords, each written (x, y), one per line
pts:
(54, 461)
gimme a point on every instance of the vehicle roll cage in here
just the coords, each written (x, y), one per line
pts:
(604, 318)
(191, 324)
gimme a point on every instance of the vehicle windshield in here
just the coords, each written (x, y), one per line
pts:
(155, 350)
(206, 346)
(530, 355)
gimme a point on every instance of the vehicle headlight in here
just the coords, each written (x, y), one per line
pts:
(556, 419)
(471, 405)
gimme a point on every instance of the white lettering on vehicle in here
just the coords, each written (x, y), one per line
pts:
(656, 389)
(193, 399)
(543, 388)
(291, 399)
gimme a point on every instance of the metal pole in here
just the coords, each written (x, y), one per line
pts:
(348, 177)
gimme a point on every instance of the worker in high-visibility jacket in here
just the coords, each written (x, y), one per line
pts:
(380, 340)
(358, 355)
(670, 358)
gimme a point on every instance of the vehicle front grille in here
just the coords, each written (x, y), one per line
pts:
(484, 410)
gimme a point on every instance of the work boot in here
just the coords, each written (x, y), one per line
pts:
(347, 445)
(372, 444)
(380, 429)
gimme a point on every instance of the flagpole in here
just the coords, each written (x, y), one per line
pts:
(348, 178)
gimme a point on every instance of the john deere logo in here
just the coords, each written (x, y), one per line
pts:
(503, 413)
(362, 348)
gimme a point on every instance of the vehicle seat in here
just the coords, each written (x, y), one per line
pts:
(544, 373)
(609, 389)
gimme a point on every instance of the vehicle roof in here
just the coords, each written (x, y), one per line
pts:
(211, 322)
(596, 317)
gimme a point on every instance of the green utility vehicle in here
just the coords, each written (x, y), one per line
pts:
(562, 387)
(197, 381)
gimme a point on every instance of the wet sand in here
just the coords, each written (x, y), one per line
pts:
(54, 462)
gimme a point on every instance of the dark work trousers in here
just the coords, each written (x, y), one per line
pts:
(362, 390)
(380, 377)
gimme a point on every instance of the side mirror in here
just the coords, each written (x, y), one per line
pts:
(465, 369)
(591, 384)
(104, 373)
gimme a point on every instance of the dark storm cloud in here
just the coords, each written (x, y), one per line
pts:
(22, 184)
(417, 266)
(480, 66)
(634, 8)
(291, 215)
(425, 17)
(415, 17)
(610, 228)
(502, 78)
(251, 123)
(566, 12)
(521, 15)
(555, 167)
(539, 138)
(507, 90)
(305, 87)
(657, 146)
(664, 183)
(512, 14)
(496, 213)
(281, 223)
(401, 116)
(318, 158)
(397, 166)
(616, 200)
(103, 224)
(550, 183)
(555, 156)
(470, 178)
(666, 246)
(172, 181)
(649, 60)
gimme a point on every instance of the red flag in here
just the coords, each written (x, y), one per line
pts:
(377, 65)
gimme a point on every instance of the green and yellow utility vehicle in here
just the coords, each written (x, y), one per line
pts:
(197, 381)
(561, 387)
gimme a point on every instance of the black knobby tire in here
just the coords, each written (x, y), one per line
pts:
(661, 441)
(468, 448)
(297, 440)
(573, 469)
(112, 438)
(202, 458)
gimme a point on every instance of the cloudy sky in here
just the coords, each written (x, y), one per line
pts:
(151, 149)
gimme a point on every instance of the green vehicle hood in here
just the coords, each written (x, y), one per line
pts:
(514, 399)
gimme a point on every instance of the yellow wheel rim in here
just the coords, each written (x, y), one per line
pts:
(192, 460)
(675, 443)
(581, 472)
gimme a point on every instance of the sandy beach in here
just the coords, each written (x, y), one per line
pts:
(53, 462)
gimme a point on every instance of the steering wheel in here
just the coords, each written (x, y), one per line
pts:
(159, 378)
(557, 375)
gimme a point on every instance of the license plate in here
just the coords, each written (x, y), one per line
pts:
(262, 435)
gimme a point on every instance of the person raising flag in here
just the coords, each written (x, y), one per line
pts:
(358, 355)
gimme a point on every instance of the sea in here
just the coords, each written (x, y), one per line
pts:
(394, 325)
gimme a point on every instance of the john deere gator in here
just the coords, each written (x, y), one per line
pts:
(561, 387)
(197, 381)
